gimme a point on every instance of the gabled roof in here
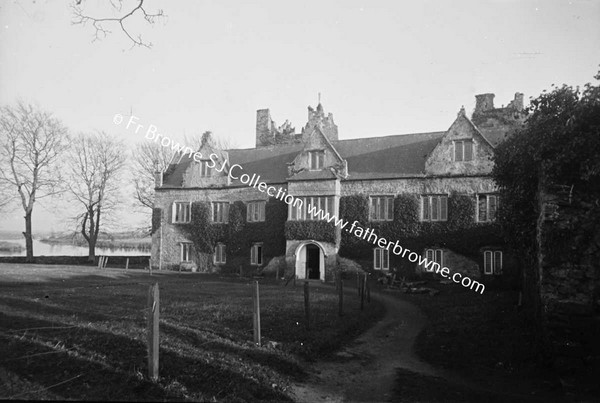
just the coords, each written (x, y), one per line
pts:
(269, 162)
(389, 156)
(494, 135)
(368, 158)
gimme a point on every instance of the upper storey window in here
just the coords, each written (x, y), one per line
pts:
(256, 211)
(182, 212)
(381, 208)
(463, 150)
(316, 159)
(434, 208)
(205, 170)
(220, 213)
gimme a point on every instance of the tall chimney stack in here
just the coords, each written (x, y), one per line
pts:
(158, 179)
(264, 126)
(517, 103)
(484, 102)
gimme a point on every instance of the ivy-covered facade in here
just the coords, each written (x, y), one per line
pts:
(245, 209)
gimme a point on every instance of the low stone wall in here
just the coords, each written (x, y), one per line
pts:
(135, 262)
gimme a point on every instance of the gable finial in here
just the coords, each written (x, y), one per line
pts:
(462, 111)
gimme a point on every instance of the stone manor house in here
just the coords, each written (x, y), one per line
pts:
(431, 191)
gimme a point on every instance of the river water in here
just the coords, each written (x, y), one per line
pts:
(47, 249)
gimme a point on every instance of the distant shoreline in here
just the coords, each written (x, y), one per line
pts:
(131, 243)
(10, 247)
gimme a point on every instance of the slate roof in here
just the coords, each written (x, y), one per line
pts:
(368, 158)
(390, 156)
(495, 135)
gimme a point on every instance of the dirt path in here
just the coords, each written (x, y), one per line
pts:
(365, 370)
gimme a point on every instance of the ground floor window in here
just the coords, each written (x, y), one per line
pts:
(435, 256)
(219, 254)
(256, 254)
(492, 262)
(381, 259)
(186, 252)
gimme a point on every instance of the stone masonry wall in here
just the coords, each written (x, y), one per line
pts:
(172, 237)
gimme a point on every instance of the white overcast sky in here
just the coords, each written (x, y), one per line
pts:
(382, 67)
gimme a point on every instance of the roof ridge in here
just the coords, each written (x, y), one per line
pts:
(391, 135)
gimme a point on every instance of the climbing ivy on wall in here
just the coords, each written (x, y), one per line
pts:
(201, 231)
(238, 235)
(459, 233)
(315, 230)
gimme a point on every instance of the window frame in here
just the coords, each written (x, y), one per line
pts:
(251, 210)
(427, 207)
(255, 256)
(185, 248)
(220, 250)
(462, 149)
(205, 170)
(300, 212)
(434, 258)
(316, 160)
(385, 201)
(488, 197)
(383, 255)
(224, 213)
(174, 211)
(495, 264)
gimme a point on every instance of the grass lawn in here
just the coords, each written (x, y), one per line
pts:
(72, 332)
(485, 339)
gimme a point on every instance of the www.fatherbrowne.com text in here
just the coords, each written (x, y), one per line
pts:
(235, 172)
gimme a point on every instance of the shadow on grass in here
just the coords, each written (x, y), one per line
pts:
(264, 357)
(109, 366)
(26, 354)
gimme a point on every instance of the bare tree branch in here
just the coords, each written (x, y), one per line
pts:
(81, 18)
(95, 165)
(31, 144)
(148, 158)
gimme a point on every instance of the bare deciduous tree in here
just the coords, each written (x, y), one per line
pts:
(31, 143)
(148, 157)
(95, 165)
(135, 8)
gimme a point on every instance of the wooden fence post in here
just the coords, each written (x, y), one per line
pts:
(105, 261)
(150, 266)
(306, 305)
(127, 264)
(99, 262)
(153, 332)
(341, 294)
(362, 293)
(256, 313)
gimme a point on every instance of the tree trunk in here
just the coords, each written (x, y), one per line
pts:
(28, 237)
(94, 230)
(92, 249)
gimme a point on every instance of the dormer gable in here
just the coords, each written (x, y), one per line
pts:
(318, 159)
(209, 167)
(463, 150)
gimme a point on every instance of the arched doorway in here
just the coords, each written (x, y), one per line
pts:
(310, 261)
